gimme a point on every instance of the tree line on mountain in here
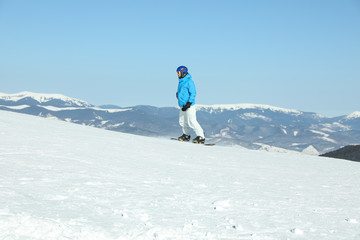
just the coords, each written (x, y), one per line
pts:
(351, 152)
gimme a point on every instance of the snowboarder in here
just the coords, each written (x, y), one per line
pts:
(186, 99)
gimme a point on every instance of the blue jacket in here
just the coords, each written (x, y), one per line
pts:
(186, 91)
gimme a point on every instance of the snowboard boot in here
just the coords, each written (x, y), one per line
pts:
(199, 139)
(184, 138)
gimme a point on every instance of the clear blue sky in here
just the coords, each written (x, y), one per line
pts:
(303, 55)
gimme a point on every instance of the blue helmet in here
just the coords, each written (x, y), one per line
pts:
(183, 70)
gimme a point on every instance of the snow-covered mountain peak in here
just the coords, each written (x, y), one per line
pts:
(353, 115)
(234, 107)
(44, 98)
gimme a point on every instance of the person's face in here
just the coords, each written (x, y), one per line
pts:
(179, 74)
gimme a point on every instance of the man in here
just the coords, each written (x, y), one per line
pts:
(186, 99)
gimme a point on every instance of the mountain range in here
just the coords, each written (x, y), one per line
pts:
(251, 126)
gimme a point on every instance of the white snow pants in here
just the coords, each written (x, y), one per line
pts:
(187, 120)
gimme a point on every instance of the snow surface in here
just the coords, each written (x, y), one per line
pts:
(248, 116)
(56, 109)
(270, 148)
(325, 136)
(18, 107)
(65, 181)
(311, 150)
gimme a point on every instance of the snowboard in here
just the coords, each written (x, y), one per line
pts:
(205, 144)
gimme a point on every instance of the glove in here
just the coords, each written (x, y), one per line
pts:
(186, 106)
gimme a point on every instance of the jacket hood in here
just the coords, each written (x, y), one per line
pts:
(188, 76)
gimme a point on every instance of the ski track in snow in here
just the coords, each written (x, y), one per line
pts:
(65, 181)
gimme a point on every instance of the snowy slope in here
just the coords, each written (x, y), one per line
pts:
(65, 181)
